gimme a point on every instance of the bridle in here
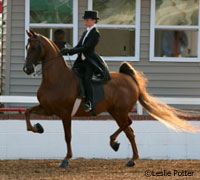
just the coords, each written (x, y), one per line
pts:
(39, 50)
(33, 60)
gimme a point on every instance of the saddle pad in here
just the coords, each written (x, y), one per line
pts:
(98, 92)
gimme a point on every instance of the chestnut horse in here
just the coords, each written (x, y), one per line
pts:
(58, 92)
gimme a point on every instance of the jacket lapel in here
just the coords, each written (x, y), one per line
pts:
(82, 37)
(94, 29)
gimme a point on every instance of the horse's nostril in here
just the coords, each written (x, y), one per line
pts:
(28, 69)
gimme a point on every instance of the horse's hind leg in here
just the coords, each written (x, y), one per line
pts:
(123, 123)
(38, 109)
(130, 135)
(114, 144)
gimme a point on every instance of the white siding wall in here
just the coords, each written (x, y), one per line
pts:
(20, 83)
(165, 79)
(5, 67)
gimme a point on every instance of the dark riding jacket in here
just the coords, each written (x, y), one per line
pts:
(88, 50)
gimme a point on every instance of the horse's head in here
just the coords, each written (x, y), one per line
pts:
(34, 52)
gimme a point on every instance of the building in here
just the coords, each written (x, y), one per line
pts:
(140, 31)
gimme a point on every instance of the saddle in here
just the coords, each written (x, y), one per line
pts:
(97, 87)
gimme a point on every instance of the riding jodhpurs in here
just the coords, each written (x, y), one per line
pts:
(87, 71)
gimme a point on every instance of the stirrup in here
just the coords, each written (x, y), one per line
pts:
(87, 106)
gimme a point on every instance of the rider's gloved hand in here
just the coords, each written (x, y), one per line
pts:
(65, 51)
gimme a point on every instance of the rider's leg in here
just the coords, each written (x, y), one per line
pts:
(89, 70)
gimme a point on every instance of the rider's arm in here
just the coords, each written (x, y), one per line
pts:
(91, 43)
(65, 50)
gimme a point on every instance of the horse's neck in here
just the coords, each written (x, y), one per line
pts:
(54, 71)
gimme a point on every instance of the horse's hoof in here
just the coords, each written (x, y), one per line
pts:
(39, 128)
(115, 146)
(131, 163)
(64, 164)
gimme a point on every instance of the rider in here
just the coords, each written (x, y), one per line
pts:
(88, 61)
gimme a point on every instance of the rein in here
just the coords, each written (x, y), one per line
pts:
(39, 72)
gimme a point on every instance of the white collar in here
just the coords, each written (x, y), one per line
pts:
(88, 31)
(90, 28)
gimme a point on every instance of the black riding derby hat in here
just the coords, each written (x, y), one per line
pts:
(91, 14)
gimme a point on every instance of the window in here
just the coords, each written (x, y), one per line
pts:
(175, 31)
(119, 28)
(55, 19)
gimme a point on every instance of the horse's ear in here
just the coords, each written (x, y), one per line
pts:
(34, 33)
(28, 33)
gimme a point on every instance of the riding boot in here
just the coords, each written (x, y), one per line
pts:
(89, 105)
(89, 71)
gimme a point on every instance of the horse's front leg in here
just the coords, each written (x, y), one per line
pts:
(38, 109)
(67, 130)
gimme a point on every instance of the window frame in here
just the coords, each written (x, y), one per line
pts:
(73, 25)
(136, 27)
(153, 27)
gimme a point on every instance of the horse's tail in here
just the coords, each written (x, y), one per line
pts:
(168, 115)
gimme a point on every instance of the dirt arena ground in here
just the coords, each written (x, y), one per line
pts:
(96, 169)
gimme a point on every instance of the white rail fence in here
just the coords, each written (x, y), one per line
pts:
(18, 99)
(167, 100)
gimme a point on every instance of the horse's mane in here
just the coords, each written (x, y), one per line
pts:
(53, 45)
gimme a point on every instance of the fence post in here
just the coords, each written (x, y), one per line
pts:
(139, 108)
